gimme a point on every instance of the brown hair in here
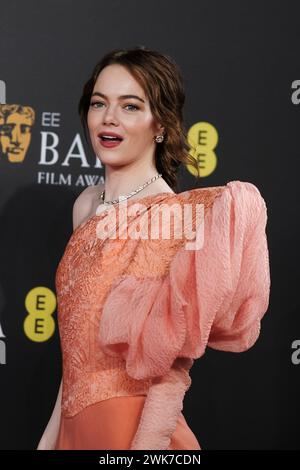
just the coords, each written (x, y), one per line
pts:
(162, 82)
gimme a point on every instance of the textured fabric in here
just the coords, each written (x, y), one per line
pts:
(134, 313)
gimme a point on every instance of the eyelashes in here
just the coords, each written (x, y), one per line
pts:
(100, 102)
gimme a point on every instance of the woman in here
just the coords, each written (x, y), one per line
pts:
(135, 311)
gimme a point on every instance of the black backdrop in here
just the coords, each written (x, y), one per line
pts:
(240, 61)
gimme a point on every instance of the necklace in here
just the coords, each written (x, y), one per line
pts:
(127, 196)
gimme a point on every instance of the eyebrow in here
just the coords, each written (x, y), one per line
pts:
(122, 97)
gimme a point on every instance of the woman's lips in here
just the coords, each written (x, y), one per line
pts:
(110, 143)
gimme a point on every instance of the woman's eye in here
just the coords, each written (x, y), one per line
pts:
(95, 102)
(100, 103)
(133, 105)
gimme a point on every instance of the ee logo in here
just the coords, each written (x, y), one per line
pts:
(203, 138)
(40, 304)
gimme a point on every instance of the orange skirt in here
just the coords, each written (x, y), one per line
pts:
(111, 424)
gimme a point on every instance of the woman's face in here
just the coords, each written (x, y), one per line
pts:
(130, 118)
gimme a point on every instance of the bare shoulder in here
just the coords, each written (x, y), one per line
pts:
(84, 204)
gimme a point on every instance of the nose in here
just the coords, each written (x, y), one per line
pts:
(109, 116)
(16, 135)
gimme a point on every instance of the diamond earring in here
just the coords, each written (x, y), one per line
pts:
(159, 138)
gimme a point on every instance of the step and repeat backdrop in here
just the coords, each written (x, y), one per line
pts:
(240, 63)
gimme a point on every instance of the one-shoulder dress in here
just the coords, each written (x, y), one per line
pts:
(142, 290)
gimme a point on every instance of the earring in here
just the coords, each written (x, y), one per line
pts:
(159, 138)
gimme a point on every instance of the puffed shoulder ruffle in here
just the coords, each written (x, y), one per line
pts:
(213, 296)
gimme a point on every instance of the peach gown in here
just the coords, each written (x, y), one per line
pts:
(135, 311)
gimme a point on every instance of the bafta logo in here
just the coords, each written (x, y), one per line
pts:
(16, 122)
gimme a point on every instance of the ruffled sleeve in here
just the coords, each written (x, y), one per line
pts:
(229, 279)
(236, 324)
(212, 296)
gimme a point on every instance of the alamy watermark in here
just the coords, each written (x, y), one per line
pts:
(2, 347)
(162, 222)
(295, 357)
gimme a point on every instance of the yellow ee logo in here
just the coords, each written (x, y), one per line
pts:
(40, 304)
(203, 138)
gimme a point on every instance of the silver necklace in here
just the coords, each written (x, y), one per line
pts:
(123, 198)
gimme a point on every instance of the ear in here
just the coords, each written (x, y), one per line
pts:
(159, 129)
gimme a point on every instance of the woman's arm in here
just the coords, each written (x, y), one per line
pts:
(49, 437)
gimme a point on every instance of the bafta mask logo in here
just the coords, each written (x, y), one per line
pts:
(16, 122)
